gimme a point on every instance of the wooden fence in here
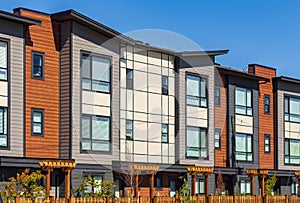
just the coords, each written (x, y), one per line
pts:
(194, 199)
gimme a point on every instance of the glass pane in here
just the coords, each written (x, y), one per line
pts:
(86, 144)
(3, 74)
(3, 55)
(249, 157)
(267, 148)
(37, 71)
(3, 140)
(85, 129)
(101, 68)
(267, 140)
(192, 152)
(294, 148)
(128, 124)
(240, 110)
(240, 96)
(286, 105)
(37, 117)
(100, 146)
(203, 139)
(37, 128)
(249, 144)
(267, 100)
(248, 187)
(164, 137)
(249, 98)
(86, 84)
(286, 147)
(193, 137)
(203, 153)
(286, 117)
(37, 60)
(1, 121)
(295, 118)
(165, 81)
(164, 128)
(249, 111)
(85, 66)
(240, 143)
(240, 156)
(203, 88)
(294, 106)
(203, 102)
(201, 186)
(100, 128)
(193, 101)
(101, 86)
(217, 92)
(104, 128)
(193, 84)
(129, 74)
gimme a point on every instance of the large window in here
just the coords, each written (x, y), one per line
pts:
(243, 101)
(200, 186)
(196, 142)
(95, 133)
(267, 144)
(3, 127)
(245, 187)
(292, 109)
(129, 129)
(165, 133)
(37, 121)
(3, 60)
(164, 85)
(292, 151)
(196, 91)
(95, 73)
(37, 65)
(267, 104)
(243, 147)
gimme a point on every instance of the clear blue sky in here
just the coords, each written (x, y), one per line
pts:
(255, 31)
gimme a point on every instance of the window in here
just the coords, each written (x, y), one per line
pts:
(267, 144)
(245, 187)
(217, 96)
(294, 188)
(267, 104)
(95, 133)
(243, 147)
(95, 73)
(37, 65)
(3, 127)
(158, 182)
(164, 88)
(292, 151)
(200, 186)
(37, 121)
(243, 101)
(165, 133)
(129, 130)
(3, 60)
(196, 91)
(196, 142)
(217, 139)
(292, 109)
(129, 78)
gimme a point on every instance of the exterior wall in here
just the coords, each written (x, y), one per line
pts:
(242, 124)
(283, 128)
(12, 91)
(266, 121)
(42, 94)
(221, 119)
(84, 39)
(204, 67)
(146, 106)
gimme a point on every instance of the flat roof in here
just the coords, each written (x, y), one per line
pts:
(287, 79)
(19, 19)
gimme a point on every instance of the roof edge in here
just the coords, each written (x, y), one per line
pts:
(18, 18)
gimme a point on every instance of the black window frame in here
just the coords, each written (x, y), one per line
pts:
(91, 135)
(129, 81)
(2, 134)
(200, 179)
(267, 137)
(267, 106)
(200, 98)
(294, 188)
(217, 98)
(246, 145)
(167, 133)
(7, 59)
(218, 140)
(90, 78)
(287, 110)
(247, 182)
(287, 151)
(164, 87)
(246, 107)
(34, 53)
(128, 130)
(158, 187)
(199, 148)
(41, 111)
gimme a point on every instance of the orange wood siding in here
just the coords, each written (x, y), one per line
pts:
(220, 120)
(266, 121)
(42, 94)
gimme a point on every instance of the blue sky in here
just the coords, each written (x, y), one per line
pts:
(255, 31)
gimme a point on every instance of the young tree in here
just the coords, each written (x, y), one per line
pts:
(220, 184)
(269, 185)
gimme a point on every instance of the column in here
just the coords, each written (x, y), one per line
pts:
(151, 185)
(67, 182)
(48, 181)
(252, 184)
(206, 185)
(194, 177)
(136, 186)
(297, 174)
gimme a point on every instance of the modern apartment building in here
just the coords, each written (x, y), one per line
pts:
(72, 88)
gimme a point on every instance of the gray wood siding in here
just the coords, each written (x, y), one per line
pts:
(289, 89)
(84, 39)
(252, 85)
(204, 67)
(65, 92)
(14, 33)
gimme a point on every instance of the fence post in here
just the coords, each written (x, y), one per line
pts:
(234, 200)
(17, 200)
(286, 199)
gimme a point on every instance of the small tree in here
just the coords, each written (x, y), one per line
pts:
(220, 184)
(185, 188)
(269, 185)
(25, 185)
